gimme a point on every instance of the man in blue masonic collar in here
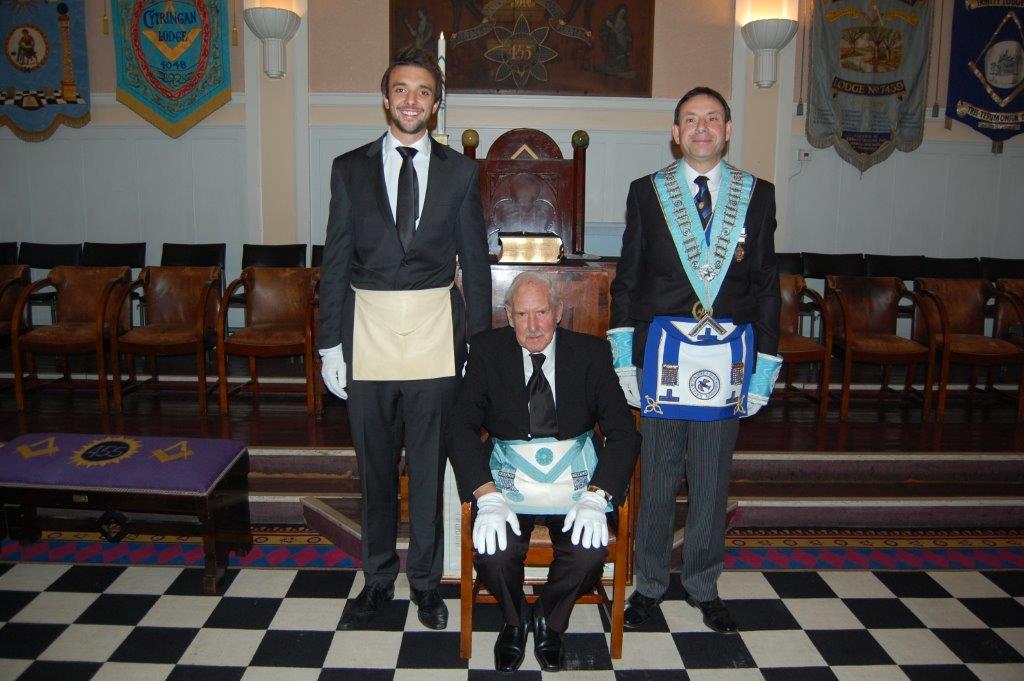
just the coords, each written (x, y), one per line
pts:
(695, 327)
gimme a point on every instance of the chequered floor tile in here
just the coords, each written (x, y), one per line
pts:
(99, 622)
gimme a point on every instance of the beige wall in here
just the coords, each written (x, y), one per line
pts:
(101, 48)
(348, 45)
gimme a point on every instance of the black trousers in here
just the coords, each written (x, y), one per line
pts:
(382, 415)
(572, 573)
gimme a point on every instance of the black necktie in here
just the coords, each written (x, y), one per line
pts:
(407, 208)
(703, 200)
(543, 422)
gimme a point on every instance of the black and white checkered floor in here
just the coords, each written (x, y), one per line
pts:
(93, 622)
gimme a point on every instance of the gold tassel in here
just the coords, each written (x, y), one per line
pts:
(234, 24)
(106, 22)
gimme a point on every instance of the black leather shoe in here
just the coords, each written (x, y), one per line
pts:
(716, 615)
(361, 609)
(433, 613)
(547, 645)
(510, 648)
(638, 610)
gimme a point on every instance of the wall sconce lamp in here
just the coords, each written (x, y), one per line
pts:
(275, 27)
(765, 37)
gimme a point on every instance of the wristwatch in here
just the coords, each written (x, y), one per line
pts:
(598, 490)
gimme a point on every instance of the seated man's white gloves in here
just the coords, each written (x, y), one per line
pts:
(621, 340)
(333, 370)
(492, 512)
(762, 382)
(588, 521)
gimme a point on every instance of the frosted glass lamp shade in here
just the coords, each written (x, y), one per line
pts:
(275, 27)
(765, 37)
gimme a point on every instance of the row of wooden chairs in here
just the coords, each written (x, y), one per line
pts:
(859, 324)
(185, 313)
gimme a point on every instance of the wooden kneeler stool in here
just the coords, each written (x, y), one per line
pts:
(541, 554)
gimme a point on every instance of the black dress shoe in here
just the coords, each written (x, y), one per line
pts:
(716, 615)
(547, 645)
(638, 610)
(433, 613)
(510, 647)
(361, 609)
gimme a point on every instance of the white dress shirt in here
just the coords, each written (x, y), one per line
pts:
(714, 181)
(393, 166)
(548, 367)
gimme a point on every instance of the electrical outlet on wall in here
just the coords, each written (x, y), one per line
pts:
(803, 155)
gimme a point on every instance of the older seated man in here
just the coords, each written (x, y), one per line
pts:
(539, 391)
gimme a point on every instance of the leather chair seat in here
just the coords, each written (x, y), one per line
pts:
(884, 343)
(798, 348)
(158, 334)
(67, 335)
(268, 335)
(982, 346)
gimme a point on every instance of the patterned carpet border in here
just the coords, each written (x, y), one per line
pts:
(746, 548)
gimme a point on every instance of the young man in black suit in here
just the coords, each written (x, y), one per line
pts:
(393, 328)
(534, 388)
(695, 307)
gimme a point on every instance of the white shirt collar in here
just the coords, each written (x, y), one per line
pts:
(548, 351)
(714, 177)
(422, 145)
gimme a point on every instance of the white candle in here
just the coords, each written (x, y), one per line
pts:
(441, 63)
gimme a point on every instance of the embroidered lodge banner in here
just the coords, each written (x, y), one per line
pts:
(44, 72)
(173, 65)
(986, 68)
(869, 62)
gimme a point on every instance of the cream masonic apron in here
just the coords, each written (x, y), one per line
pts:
(402, 335)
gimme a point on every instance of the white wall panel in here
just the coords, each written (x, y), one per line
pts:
(127, 183)
(57, 192)
(1008, 237)
(946, 199)
(865, 209)
(813, 224)
(167, 210)
(218, 198)
(14, 183)
(916, 222)
(970, 209)
(111, 171)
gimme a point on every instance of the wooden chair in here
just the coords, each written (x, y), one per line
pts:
(541, 554)
(796, 348)
(863, 312)
(279, 321)
(181, 318)
(527, 186)
(84, 298)
(41, 256)
(955, 314)
(13, 279)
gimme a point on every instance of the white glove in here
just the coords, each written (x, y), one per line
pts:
(333, 370)
(627, 379)
(587, 518)
(492, 512)
(754, 403)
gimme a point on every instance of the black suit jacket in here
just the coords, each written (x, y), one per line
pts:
(650, 279)
(363, 248)
(493, 396)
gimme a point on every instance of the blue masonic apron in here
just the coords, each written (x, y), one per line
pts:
(698, 367)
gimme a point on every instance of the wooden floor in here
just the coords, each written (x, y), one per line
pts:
(977, 424)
